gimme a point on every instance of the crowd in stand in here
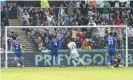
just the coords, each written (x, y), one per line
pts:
(83, 15)
(78, 16)
(85, 38)
(86, 15)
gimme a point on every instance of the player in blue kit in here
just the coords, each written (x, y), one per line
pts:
(18, 52)
(111, 43)
(54, 44)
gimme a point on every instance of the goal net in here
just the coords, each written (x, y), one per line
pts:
(90, 41)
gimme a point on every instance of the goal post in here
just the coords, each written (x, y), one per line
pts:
(98, 26)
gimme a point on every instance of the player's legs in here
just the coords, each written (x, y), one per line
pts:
(74, 63)
(19, 59)
(81, 61)
(112, 61)
(52, 56)
(22, 61)
(16, 58)
(75, 56)
(108, 61)
(78, 59)
(56, 59)
(112, 55)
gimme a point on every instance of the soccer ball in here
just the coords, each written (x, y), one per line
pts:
(18, 64)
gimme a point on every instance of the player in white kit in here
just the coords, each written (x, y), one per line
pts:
(74, 53)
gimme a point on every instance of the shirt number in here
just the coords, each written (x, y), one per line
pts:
(55, 43)
(110, 41)
(16, 46)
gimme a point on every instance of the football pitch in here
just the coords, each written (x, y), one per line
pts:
(80, 73)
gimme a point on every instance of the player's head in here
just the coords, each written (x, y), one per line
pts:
(55, 36)
(14, 38)
(111, 34)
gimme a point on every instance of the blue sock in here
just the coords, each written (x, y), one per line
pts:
(108, 59)
(51, 60)
(113, 62)
(56, 60)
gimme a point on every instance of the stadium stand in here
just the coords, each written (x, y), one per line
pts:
(77, 14)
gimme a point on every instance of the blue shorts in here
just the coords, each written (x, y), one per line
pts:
(18, 55)
(111, 53)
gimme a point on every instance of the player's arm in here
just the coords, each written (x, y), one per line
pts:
(63, 36)
(106, 54)
(49, 44)
(116, 45)
(68, 50)
(13, 44)
(21, 47)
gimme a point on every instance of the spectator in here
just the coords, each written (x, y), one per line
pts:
(101, 32)
(81, 16)
(78, 42)
(118, 21)
(123, 3)
(74, 34)
(105, 11)
(66, 22)
(86, 45)
(9, 42)
(3, 3)
(38, 23)
(25, 18)
(119, 38)
(82, 36)
(130, 40)
(92, 3)
(6, 13)
(91, 23)
(2, 16)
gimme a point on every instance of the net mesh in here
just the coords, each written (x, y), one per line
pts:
(86, 38)
(93, 37)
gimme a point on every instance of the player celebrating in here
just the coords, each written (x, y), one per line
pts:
(74, 53)
(54, 43)
(18, 52)
(111, 42)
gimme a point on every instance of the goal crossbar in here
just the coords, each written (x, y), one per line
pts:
(105, 26)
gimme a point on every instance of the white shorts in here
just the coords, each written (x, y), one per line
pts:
(74, 54)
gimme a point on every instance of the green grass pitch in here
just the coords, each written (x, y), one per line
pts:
(89, 73)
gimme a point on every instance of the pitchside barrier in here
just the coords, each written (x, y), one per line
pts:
(91, 58)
